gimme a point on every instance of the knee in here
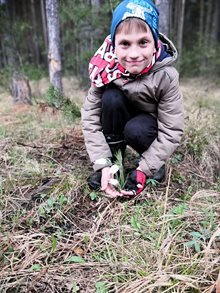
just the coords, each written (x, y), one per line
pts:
(132, 131)
(139, 133)
(113, 99)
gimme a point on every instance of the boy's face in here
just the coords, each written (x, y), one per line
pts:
(134, 49)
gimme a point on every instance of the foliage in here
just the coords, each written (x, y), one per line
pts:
(57, 100)
(58, 235)
(32, 72)
(200, 60)
(83, 29)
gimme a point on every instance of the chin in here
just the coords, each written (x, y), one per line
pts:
(134, 71)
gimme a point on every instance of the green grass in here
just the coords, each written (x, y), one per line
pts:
(57, 235)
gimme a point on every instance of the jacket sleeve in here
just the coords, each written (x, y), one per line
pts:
(170, 119)
(95, 142)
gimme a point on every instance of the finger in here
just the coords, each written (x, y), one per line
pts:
(111, 192)
(104, 184)
(128, 193)
(105, 178)
(110, 195)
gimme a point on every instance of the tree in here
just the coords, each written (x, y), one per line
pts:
(44, 25)
(181, 26)
(54, 57)
(35, 38)
(163, 7)
(215, 22)
(7, 42)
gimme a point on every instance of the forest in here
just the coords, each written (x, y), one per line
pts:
(192, 25)
(56, 234)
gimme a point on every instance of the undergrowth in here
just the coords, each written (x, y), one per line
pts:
(59, 236)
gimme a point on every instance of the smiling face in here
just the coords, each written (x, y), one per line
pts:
(134, 45)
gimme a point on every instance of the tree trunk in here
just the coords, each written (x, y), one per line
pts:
(201, 22)
(44, 23)
(180, 28)
(163, 7)
(95, 3)
(34, 36)
(208, 23)
(7, 40)
(21, 90)
(54, 57)
(95, 9)
(215, 23)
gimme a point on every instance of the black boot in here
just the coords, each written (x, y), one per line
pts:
(94, 180)
(116, 144)
(160, 175)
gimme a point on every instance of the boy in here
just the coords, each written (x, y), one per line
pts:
(134, 99)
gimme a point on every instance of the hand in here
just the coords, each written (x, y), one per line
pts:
(107, 187)
(135, 184)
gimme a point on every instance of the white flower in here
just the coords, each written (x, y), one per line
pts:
(114, 169)
(114, 182)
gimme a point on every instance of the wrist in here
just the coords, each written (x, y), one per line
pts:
(139, 169)
(101, 163)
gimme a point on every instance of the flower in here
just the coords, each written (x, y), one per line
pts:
(114, 182)
(114, 169)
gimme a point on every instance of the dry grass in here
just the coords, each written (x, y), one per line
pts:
(56, 238)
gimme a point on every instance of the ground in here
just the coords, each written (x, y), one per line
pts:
(59, 236)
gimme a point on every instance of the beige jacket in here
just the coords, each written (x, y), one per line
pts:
(156, 92)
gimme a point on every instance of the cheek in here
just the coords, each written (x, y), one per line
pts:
(119, 53)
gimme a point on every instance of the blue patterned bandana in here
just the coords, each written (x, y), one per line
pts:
(143, 9)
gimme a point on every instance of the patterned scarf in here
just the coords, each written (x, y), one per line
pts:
(104, 66)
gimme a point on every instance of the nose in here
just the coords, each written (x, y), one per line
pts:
(133, 52)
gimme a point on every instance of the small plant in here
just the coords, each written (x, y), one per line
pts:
(196, 241)
(196, 142)
(56, 99)
(101, 287)
(178, 177)
(176, 158)
(93, 195)
(62, 200)
(179, 209)
(75, 259)
(117, 170)
(174, 216)
(52, 204)
(151, 182)
(135, 223)
(36, 267)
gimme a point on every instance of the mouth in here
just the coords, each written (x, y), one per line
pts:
(134, 62)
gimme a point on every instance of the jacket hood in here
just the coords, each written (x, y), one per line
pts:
(170, 52)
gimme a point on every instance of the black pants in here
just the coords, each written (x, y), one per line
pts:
(119, 117)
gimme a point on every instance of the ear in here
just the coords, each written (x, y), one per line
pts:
(155, 50)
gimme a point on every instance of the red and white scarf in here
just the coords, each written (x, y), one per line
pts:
(104, 66)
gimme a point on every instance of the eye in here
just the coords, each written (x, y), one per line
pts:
(124, 44)
(143, 42)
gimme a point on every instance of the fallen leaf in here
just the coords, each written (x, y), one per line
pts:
(78, 251)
